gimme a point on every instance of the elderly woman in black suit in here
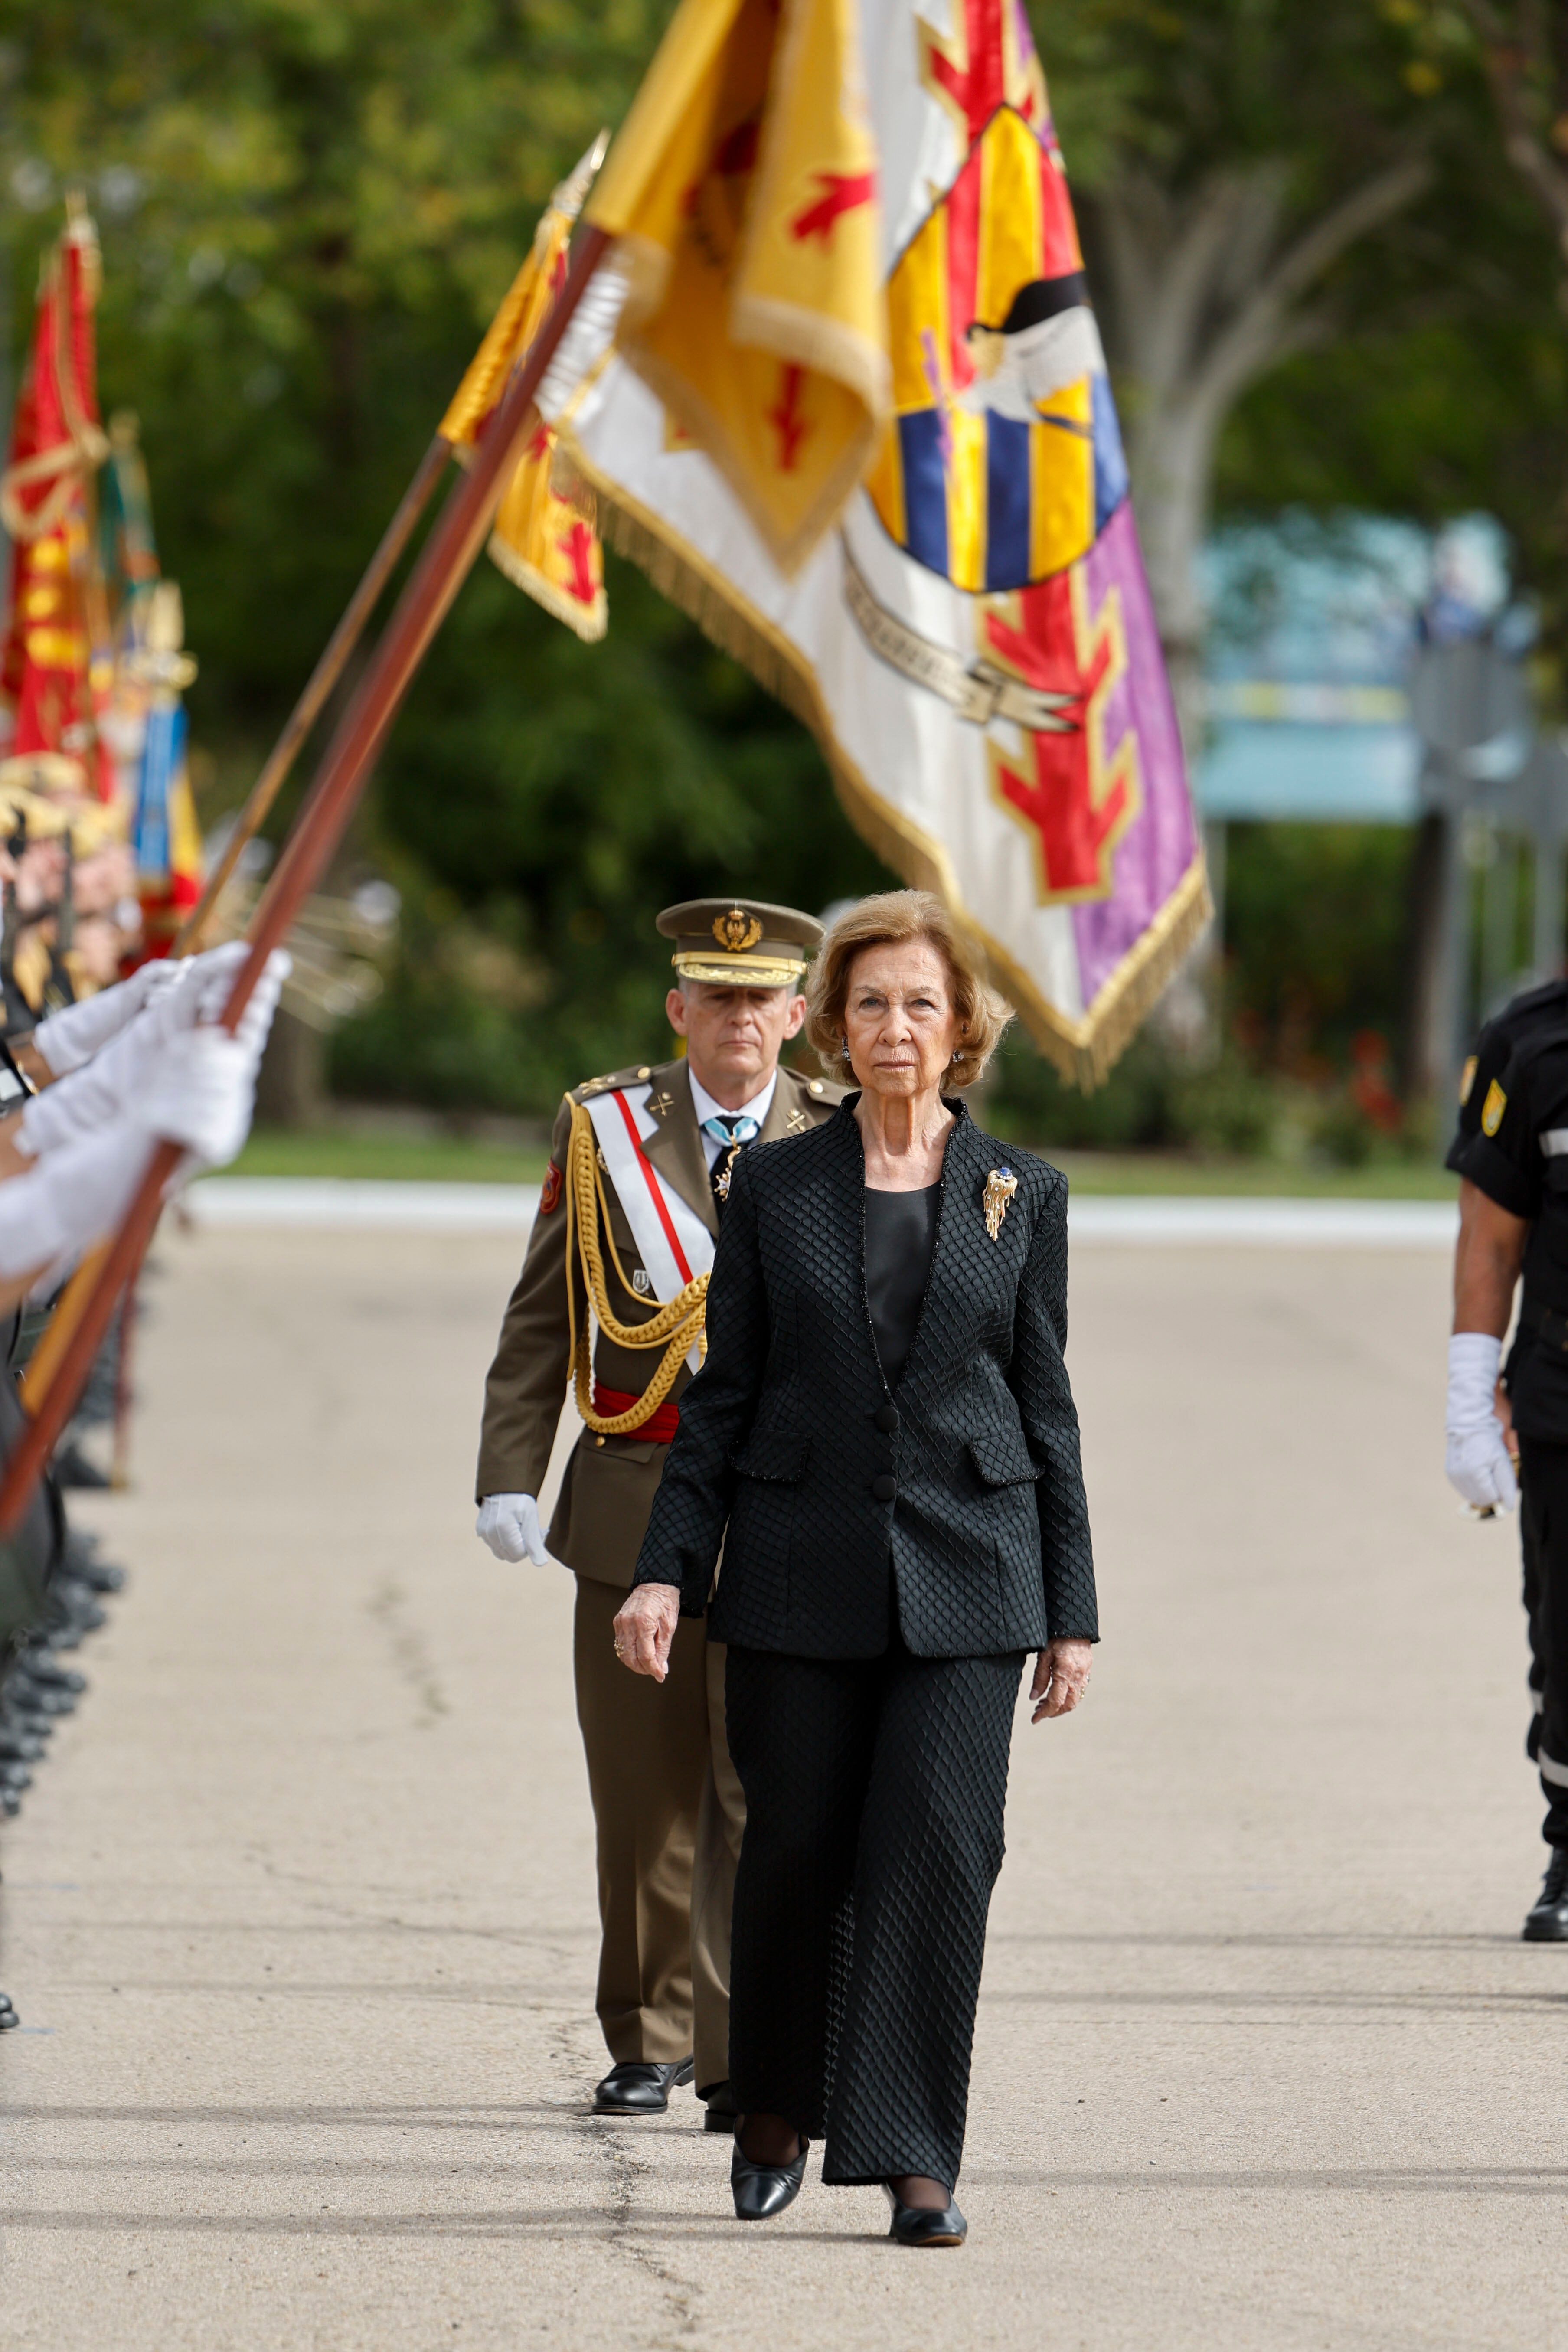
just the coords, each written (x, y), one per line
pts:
(883, 1440)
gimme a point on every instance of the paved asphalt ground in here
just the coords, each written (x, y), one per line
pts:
(301, 1920)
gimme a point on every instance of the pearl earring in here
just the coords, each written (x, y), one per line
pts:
(844, 1049)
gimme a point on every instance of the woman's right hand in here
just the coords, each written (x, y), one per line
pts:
(645, 1628)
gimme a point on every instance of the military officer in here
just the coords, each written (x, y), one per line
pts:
(1515, 1164)
(639, 1172)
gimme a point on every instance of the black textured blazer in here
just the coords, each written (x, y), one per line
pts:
(965, 1492)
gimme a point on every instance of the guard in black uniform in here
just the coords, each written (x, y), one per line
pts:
(1528, 1016)
(1516, 1163)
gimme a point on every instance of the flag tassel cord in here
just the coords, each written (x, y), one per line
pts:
(449, 554)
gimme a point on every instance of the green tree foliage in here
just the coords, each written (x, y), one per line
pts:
(308, 214)
(308, 209)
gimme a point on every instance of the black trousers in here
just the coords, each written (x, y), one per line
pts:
(1544, 1533)
(1529, 1549)
(875, 1791)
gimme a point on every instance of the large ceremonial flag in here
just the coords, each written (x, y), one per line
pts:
(545, 536)
(49, 692)
(853, 415)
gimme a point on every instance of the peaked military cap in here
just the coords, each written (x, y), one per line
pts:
(740, 942)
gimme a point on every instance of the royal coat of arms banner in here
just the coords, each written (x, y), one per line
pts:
(847, 401)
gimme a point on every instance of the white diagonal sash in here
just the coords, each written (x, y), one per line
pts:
(671, 1239)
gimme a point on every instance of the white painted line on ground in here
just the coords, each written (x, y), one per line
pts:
(341, 1204)
(1150, 1219)
(334, 1204)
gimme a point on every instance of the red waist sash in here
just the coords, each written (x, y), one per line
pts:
(660, 1424)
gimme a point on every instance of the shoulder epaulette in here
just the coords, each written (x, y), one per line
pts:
(826, 1091)
(638, 1075)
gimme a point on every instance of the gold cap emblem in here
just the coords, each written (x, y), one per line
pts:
(738, 942)
(737, 932)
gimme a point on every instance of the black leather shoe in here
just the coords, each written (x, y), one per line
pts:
(639, 2086)
(101, 1576)
(28, 1697)
(73, 1468)
(926, 2225)
(719, 2103)
(1546, 1922)
(42, 1667)
(760, 2190)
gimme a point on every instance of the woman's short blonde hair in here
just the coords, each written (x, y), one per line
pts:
(888, 920)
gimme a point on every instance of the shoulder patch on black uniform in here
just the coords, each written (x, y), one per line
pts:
(1493, 1108)
(550, 1191)
(1467, 1080)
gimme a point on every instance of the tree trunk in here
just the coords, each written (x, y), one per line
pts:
(292, 1085)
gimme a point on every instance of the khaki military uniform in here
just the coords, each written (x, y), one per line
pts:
(668, 1807)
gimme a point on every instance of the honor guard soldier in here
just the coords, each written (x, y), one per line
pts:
(1515, 1165)
(639, 1172)
(1528, 1015)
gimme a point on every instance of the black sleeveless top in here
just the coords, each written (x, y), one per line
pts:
(900, 1236)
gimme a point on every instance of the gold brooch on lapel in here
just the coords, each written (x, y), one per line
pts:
(1000, 1187)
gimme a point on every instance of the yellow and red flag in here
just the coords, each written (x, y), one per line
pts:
(743, 193)
(855, 415)
(50, 692)
(546, 537)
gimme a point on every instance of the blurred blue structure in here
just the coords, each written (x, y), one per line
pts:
(1362, 669)
(1314, 629)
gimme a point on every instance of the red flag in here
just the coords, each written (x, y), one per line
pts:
(47, 681)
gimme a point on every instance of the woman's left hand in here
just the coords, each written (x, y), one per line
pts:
(645, 1628)
(1061, 1678)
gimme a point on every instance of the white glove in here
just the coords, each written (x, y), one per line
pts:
(112, 1087)
(68, 1038)
(201, 1095)
(510, 1525)
(51, 1214)
(201, 1089)
(1478, 1462)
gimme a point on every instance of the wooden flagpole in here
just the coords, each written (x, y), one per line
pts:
(449, 554)
(188, 939)
(323, 678)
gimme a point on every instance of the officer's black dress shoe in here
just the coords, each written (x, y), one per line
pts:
(760, 2190)
(719, 2103)
(926, 2225)
(1547, 1920)
(640, 2087)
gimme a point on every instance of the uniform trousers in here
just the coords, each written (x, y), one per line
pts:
(875, 1791)
(1544, 1529)
(1529, 1549)
(667, 1818)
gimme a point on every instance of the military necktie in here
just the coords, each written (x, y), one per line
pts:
(732, 1131)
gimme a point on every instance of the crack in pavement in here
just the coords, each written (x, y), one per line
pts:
(412, 1659)
(622, 2172)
